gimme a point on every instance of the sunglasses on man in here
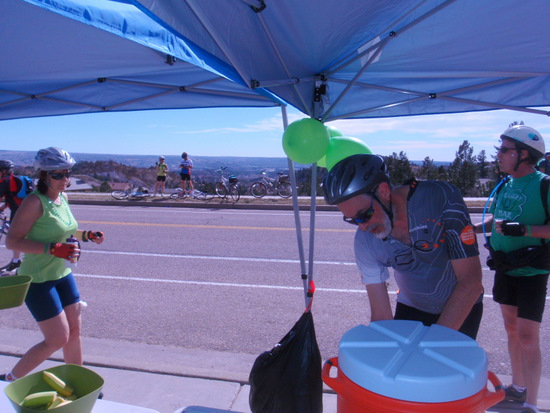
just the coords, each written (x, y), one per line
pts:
(504, 149)
(60, 175)
(363, 216)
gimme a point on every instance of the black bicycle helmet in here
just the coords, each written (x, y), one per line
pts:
(6, 165)
(354, 175)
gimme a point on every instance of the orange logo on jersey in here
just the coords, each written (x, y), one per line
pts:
(468, 235)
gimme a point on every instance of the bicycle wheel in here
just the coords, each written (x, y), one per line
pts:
(221, 190)
(258, 190)
(179, 195)
(235, 192)
(119, 195)
(284, 190)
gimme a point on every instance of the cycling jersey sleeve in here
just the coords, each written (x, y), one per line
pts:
(460, 236)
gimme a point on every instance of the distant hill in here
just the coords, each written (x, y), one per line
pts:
(202, 163)
(234, 164)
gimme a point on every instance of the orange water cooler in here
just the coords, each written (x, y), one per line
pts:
(398, 366)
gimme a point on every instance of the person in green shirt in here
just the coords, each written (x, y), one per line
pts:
(518, 222)
(41, 229)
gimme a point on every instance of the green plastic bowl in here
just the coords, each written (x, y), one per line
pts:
(86, 383)
(13, 290)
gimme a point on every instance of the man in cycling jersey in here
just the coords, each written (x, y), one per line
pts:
(185, 172)
(423, 231)
(10, 186)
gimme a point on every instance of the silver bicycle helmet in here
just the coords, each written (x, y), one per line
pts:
(354, 175)
(52, 159)
(526, 137)
(6, 165)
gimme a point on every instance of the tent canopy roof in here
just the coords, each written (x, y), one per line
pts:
(54, 65)
(374, 58)
(329, 59)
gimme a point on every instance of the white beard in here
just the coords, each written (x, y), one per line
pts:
(387, 228)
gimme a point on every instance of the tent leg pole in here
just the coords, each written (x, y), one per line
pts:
(296, 209)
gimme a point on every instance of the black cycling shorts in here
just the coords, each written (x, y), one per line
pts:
(185, 177)
(470, 326)
(527, 293)
(161, 178)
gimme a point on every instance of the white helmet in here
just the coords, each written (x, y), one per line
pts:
(526, 136)
(52, 159)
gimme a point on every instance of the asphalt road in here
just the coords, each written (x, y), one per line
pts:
(227, 280)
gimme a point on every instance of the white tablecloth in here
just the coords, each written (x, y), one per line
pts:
(101, 406)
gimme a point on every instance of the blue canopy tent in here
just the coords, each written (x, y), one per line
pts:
(53, 65)
(331, 59)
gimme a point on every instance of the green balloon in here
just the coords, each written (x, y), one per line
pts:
(341, 147)
(323, 161)
(332, 131)
(306, 141)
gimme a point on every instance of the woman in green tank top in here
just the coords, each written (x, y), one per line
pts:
(40, 229)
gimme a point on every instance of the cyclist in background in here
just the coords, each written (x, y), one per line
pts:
(162, 171)
(544, 164)
(186, 165)
(10, 186)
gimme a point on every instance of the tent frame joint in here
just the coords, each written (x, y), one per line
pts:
(319, 90)
(260, 8)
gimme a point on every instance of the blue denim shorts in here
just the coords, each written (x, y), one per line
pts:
(46, 300)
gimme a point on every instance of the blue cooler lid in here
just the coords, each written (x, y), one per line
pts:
(406, 360)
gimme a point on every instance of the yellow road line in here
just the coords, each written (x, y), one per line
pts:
(154, 224)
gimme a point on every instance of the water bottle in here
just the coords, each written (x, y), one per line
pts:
(72, 262)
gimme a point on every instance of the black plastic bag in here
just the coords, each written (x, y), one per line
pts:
(287, 379)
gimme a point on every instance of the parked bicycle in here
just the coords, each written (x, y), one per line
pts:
(131, 192)
(4, 225)
(195, 193)
(280, 186)
(228, 186)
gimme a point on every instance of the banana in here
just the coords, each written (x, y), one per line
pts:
(60, 401)
(42, 398)
(55, 403)
(57, 384)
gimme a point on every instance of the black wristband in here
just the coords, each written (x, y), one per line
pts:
(85, 236)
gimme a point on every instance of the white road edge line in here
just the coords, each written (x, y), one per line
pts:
(207, 257)
(217, 284)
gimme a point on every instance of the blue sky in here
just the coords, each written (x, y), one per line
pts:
(255, 132)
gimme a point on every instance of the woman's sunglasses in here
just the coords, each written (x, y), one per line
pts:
(504, 149)
(60, 175)
(362, 217)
